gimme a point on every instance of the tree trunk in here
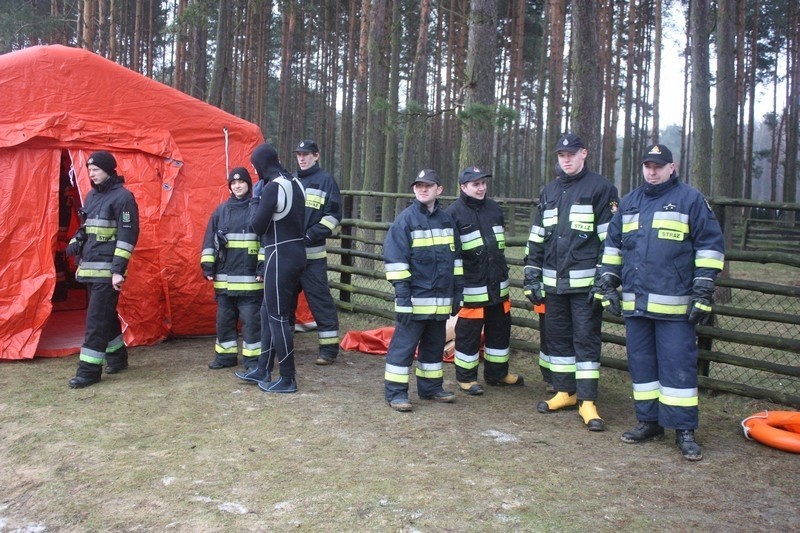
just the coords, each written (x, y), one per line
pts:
(286, 102)
(89, 30)
(656, 72)
(557, 11)
(350, 62)
(478, 115)
(588, 93)
(701, 102)
(416, 139)
(375, 163)
(390, 181)
(751, 109)
(628, 169)
(792, 103)
(219, 72)
(724, 140)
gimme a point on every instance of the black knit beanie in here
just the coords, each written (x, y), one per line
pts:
(103, 160)
(240, 173)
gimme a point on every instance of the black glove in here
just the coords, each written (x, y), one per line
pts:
(403, 319)
(221, 246)
(533, 287)
(606, 295)
(702, 293)
(75, 245)
(74, 249)
(594, 298)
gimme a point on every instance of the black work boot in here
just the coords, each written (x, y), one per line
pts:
(87, 374)
(223, 361)
(690, 450)
(116, 361)
(643, 432)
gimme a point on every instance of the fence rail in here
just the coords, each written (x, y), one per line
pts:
(753, 349)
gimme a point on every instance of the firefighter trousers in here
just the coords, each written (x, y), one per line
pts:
(103, 331)
(231, 309)
(574, 343)
(495, 323)
(314, 284)
(429, 337)
(662, 361)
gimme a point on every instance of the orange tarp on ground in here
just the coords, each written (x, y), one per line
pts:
(174, 151)
(376, 341)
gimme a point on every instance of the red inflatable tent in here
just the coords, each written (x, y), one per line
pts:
(174, 152)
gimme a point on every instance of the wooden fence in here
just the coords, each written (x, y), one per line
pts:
(753, 348)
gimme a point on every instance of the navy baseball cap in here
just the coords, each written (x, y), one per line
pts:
(472, 174)
(427, 175)
(307, 145)
(569, 142)
(658, 154)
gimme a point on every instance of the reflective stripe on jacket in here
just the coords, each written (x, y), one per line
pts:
(568, 231)
(480, 225)
(112, 230)
(660, 240)
(422, 260)
(323, 209)
(236, 276)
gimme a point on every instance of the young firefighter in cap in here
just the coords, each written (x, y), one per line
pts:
(563, 252)
(422, 256)
(104, 244)
(277, 212)
(486, 307)
(665, 248)
(323, 214)
(230, 259)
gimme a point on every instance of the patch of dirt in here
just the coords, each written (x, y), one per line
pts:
(169, 444)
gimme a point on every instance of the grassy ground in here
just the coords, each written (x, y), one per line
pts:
(171, 445)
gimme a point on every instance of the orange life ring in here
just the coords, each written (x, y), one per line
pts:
(777, 429)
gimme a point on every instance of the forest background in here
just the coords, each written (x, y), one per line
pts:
(388, 87)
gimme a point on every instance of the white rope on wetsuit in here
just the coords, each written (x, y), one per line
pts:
(272, 350)
(227, 161)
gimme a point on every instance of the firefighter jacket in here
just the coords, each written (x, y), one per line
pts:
(111, 227)
(480, 227)
(323, 209)
(661, 239)
(423, 261)
(231, 249)
(565, 243)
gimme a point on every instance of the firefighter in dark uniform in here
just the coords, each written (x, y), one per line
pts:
(323, 215)
(563, 252)
(486, 307)
(277, 213)
(230, 259)
(665, 248)
(104, 244)
(65, 211)
(422, 261)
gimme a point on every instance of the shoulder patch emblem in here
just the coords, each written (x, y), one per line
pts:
(126, 217)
